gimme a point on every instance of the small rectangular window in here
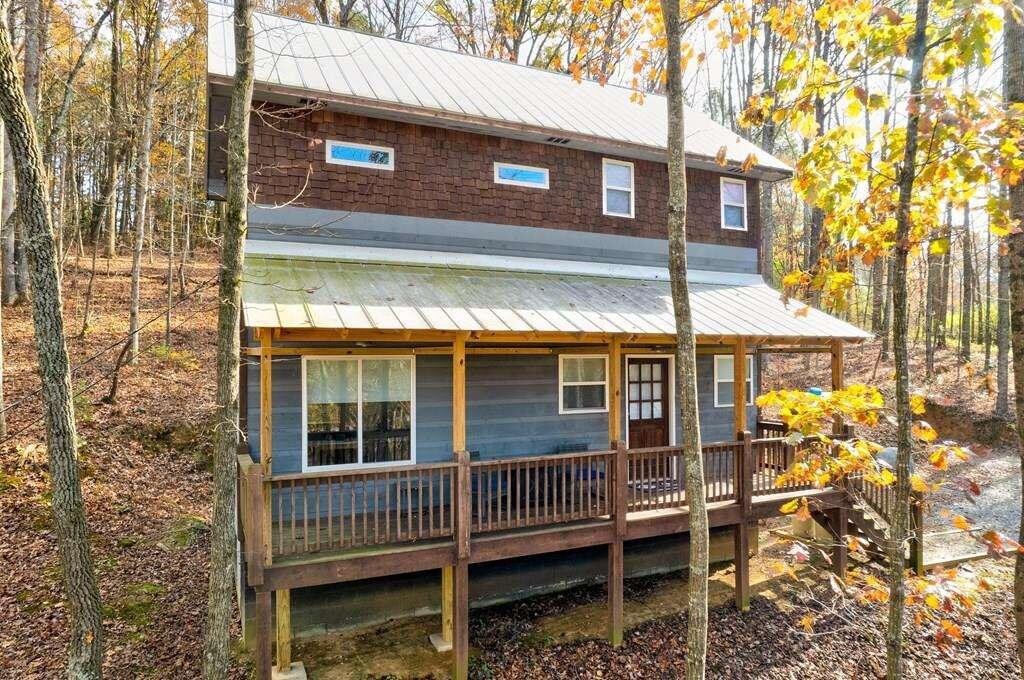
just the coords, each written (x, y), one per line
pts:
(724, 380)
(521, 175)
(618, 188)
(582, 383)
(734, 204)
(360, 155)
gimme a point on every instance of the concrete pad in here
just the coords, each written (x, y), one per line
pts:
(440, 644)
(295, 672)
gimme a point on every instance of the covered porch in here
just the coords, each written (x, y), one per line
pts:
(382, 504)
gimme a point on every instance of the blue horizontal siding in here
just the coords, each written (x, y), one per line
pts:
(512, 409)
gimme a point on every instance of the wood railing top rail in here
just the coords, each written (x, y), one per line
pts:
(359, 472)
(548, 458)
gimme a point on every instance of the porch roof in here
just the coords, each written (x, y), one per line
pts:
(306, 292)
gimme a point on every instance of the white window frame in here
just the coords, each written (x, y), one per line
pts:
(515, 183)
(605, 162)
(721, 195)
(562, 411)
(717, 380)
(359, 164)
(359, 411)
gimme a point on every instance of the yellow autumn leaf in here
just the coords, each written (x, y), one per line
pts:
(807, 623)
(932, 601)
(924, 431)
(918, 404)
(960, 522)
(790, 507)
(918, 484)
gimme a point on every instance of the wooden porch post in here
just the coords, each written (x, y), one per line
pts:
(616, 560)
(283, 605)
(837, 379)
(739, 378)
(263, 662)
(839, 521)
(263, 655)
(614, 391)
(740, 534)
(448, 593)
(460, 575)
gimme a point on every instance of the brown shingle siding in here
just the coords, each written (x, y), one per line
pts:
(449, 174)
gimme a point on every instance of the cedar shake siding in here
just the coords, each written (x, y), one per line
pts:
(449, 174)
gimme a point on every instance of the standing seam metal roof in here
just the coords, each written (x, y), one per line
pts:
(381, 71)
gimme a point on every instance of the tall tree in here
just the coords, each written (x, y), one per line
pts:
(85, 656)
(222, 546)
(918, 48)
(142, 163)
(1013, 87)
(686, 352)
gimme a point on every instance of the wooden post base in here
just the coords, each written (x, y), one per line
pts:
(615, 576)
(263, 659)
(460, 643)
(741, 551)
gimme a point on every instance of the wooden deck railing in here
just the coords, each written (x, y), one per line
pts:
(351, 509)
(513, 493)
(768, 429)
(359, 508)
(883, 500)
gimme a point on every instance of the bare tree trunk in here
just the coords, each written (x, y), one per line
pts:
(142, 178)
(216, 649)
(887, 315)
(104, 209)
(987, 321)
(9, 285)
(931, 317)
(3, 413)
(898, 528)
(686, 351)
(1013, 84)
(186, 237)
(966, 294)
(1003, 338)
(86, 647)
(877, 293)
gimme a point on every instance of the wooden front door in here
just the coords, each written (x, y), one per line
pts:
(647, 386)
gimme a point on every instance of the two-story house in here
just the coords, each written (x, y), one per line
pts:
(458, 337)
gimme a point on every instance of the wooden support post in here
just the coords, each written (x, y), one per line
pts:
(460, 575)
(266, 438)
(739, 385)
(616, 560)
(458, 444)
(263, 659)
(283, 605)
(839, 521)
(614, 390)
(917, 532)
(837, 380)
(741, 549)
(746, 466)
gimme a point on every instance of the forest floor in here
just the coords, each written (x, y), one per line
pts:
(145, 462)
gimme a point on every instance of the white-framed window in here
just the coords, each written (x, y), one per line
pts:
(358, 411)
(724, 380)
(582, 383)
(734, 203)
(360, 155)
(521, 175)
(618, 188)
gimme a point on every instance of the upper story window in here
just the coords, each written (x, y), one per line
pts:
(358, 411)
(724, 384)
(521, 175)
(618, 188)
(734, 204)
(360, 155)
(582, 383)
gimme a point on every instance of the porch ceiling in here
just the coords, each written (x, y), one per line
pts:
(296, 293)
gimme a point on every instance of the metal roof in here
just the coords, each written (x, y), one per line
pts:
(334, 294)
(357, 68)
